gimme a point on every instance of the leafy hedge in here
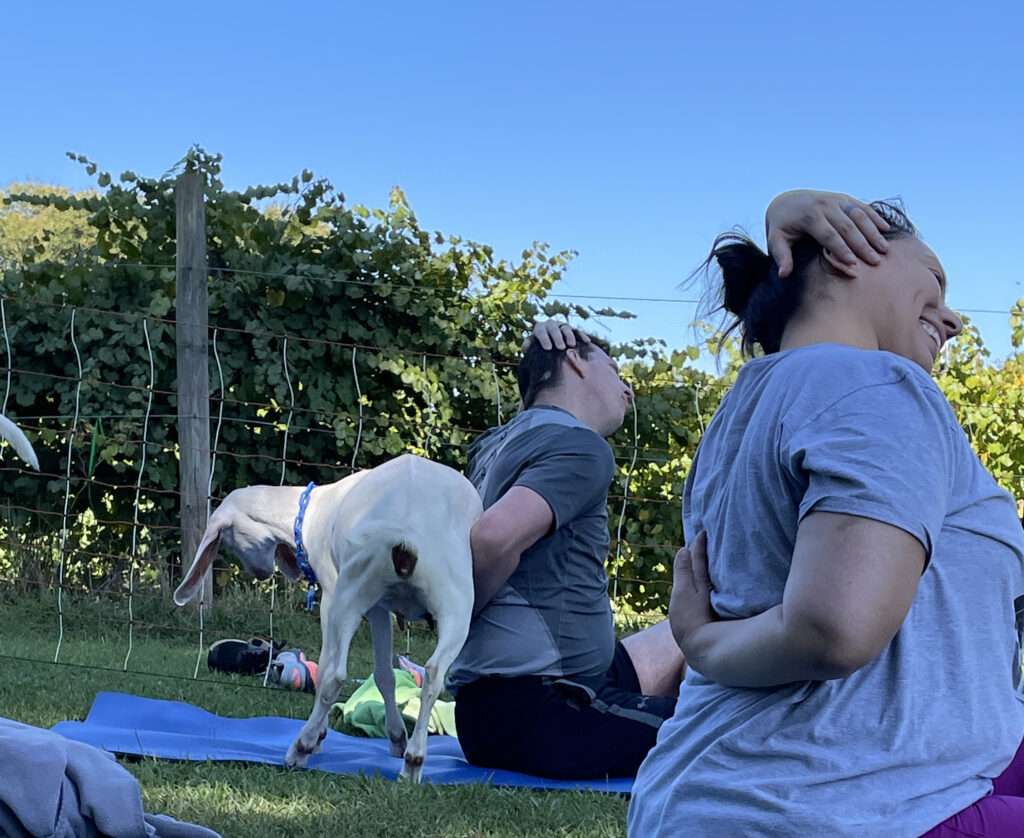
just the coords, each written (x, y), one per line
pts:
(435, 323)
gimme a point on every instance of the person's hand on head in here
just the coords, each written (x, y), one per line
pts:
(689, 607)
(848, 229)
(555, 334)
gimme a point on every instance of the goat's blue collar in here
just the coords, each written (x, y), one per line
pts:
(300, 549)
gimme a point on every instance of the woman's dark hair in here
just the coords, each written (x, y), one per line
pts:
(752, 290)
(542, 368)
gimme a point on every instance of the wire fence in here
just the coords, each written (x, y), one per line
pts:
(56, 531)
(145, 571)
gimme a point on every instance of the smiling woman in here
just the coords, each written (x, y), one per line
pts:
(854, 589)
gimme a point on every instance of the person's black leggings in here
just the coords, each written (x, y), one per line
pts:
(559, 728)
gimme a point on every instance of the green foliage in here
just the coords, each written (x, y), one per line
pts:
(431, 323)
(674, 401)
(434, 323)
(989, 402)
(34, 232)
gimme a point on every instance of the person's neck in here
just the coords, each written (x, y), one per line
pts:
(827, 325)
(571, 402)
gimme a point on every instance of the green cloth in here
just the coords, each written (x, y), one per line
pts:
(363, 713)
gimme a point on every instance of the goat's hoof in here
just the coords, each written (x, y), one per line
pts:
(412, 770)
(296, 757)
(397, 746)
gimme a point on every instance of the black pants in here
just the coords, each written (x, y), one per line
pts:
(561, 728)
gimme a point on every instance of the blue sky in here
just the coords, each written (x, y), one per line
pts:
(632, 133)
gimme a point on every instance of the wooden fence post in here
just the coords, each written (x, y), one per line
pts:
(193, 366)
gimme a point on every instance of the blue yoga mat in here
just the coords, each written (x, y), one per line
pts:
(128, 724)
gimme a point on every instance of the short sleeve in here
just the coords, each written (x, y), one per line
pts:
(572, 472)
(884, 452)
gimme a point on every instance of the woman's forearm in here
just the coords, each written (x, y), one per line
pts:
(763, 651)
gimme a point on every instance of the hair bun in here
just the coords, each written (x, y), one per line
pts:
(744, 267)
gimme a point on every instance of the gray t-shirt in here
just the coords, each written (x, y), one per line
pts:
(553, 616)
(916, 735)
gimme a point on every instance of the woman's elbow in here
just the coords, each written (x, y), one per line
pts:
(842, 661)
(834, 651)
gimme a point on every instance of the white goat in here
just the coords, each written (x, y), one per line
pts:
(12, 433)
(391, 539)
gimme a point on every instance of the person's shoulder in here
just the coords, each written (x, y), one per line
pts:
(830, 360)
(568, 439)
(833, 371)
(577, 439)
(816, 378)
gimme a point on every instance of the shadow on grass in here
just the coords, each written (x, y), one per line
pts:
(243, 800)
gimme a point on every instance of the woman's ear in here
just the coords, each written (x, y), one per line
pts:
(841, 269)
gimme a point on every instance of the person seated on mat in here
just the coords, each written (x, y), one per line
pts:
(847, 611)
(542, 686)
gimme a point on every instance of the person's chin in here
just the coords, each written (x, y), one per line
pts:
(926, 361)
(924, 356)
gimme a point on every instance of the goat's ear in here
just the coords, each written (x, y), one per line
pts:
(12, 433)
(205, 554)
(286, 560)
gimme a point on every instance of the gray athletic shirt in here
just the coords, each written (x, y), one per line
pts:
(916, 735)
(553, 616)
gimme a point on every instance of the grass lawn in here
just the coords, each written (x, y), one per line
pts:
(251, 800)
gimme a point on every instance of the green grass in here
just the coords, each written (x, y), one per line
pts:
(251, 800)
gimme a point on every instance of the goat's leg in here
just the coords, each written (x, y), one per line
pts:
(328, 644)
(452, 613)
(339, 628)
(384, 675)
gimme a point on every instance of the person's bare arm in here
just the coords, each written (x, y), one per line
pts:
(850, 586)
(517, 521)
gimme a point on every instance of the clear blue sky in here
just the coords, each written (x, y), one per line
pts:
(631, 132)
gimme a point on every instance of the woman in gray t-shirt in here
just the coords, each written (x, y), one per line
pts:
(850, 627)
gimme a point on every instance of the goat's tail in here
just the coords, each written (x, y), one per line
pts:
(404, 560)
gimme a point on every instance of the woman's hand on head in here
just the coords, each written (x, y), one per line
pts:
(689, 608)
(556, 334)
(848, 229)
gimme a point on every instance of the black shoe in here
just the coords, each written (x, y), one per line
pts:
(242, 657)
